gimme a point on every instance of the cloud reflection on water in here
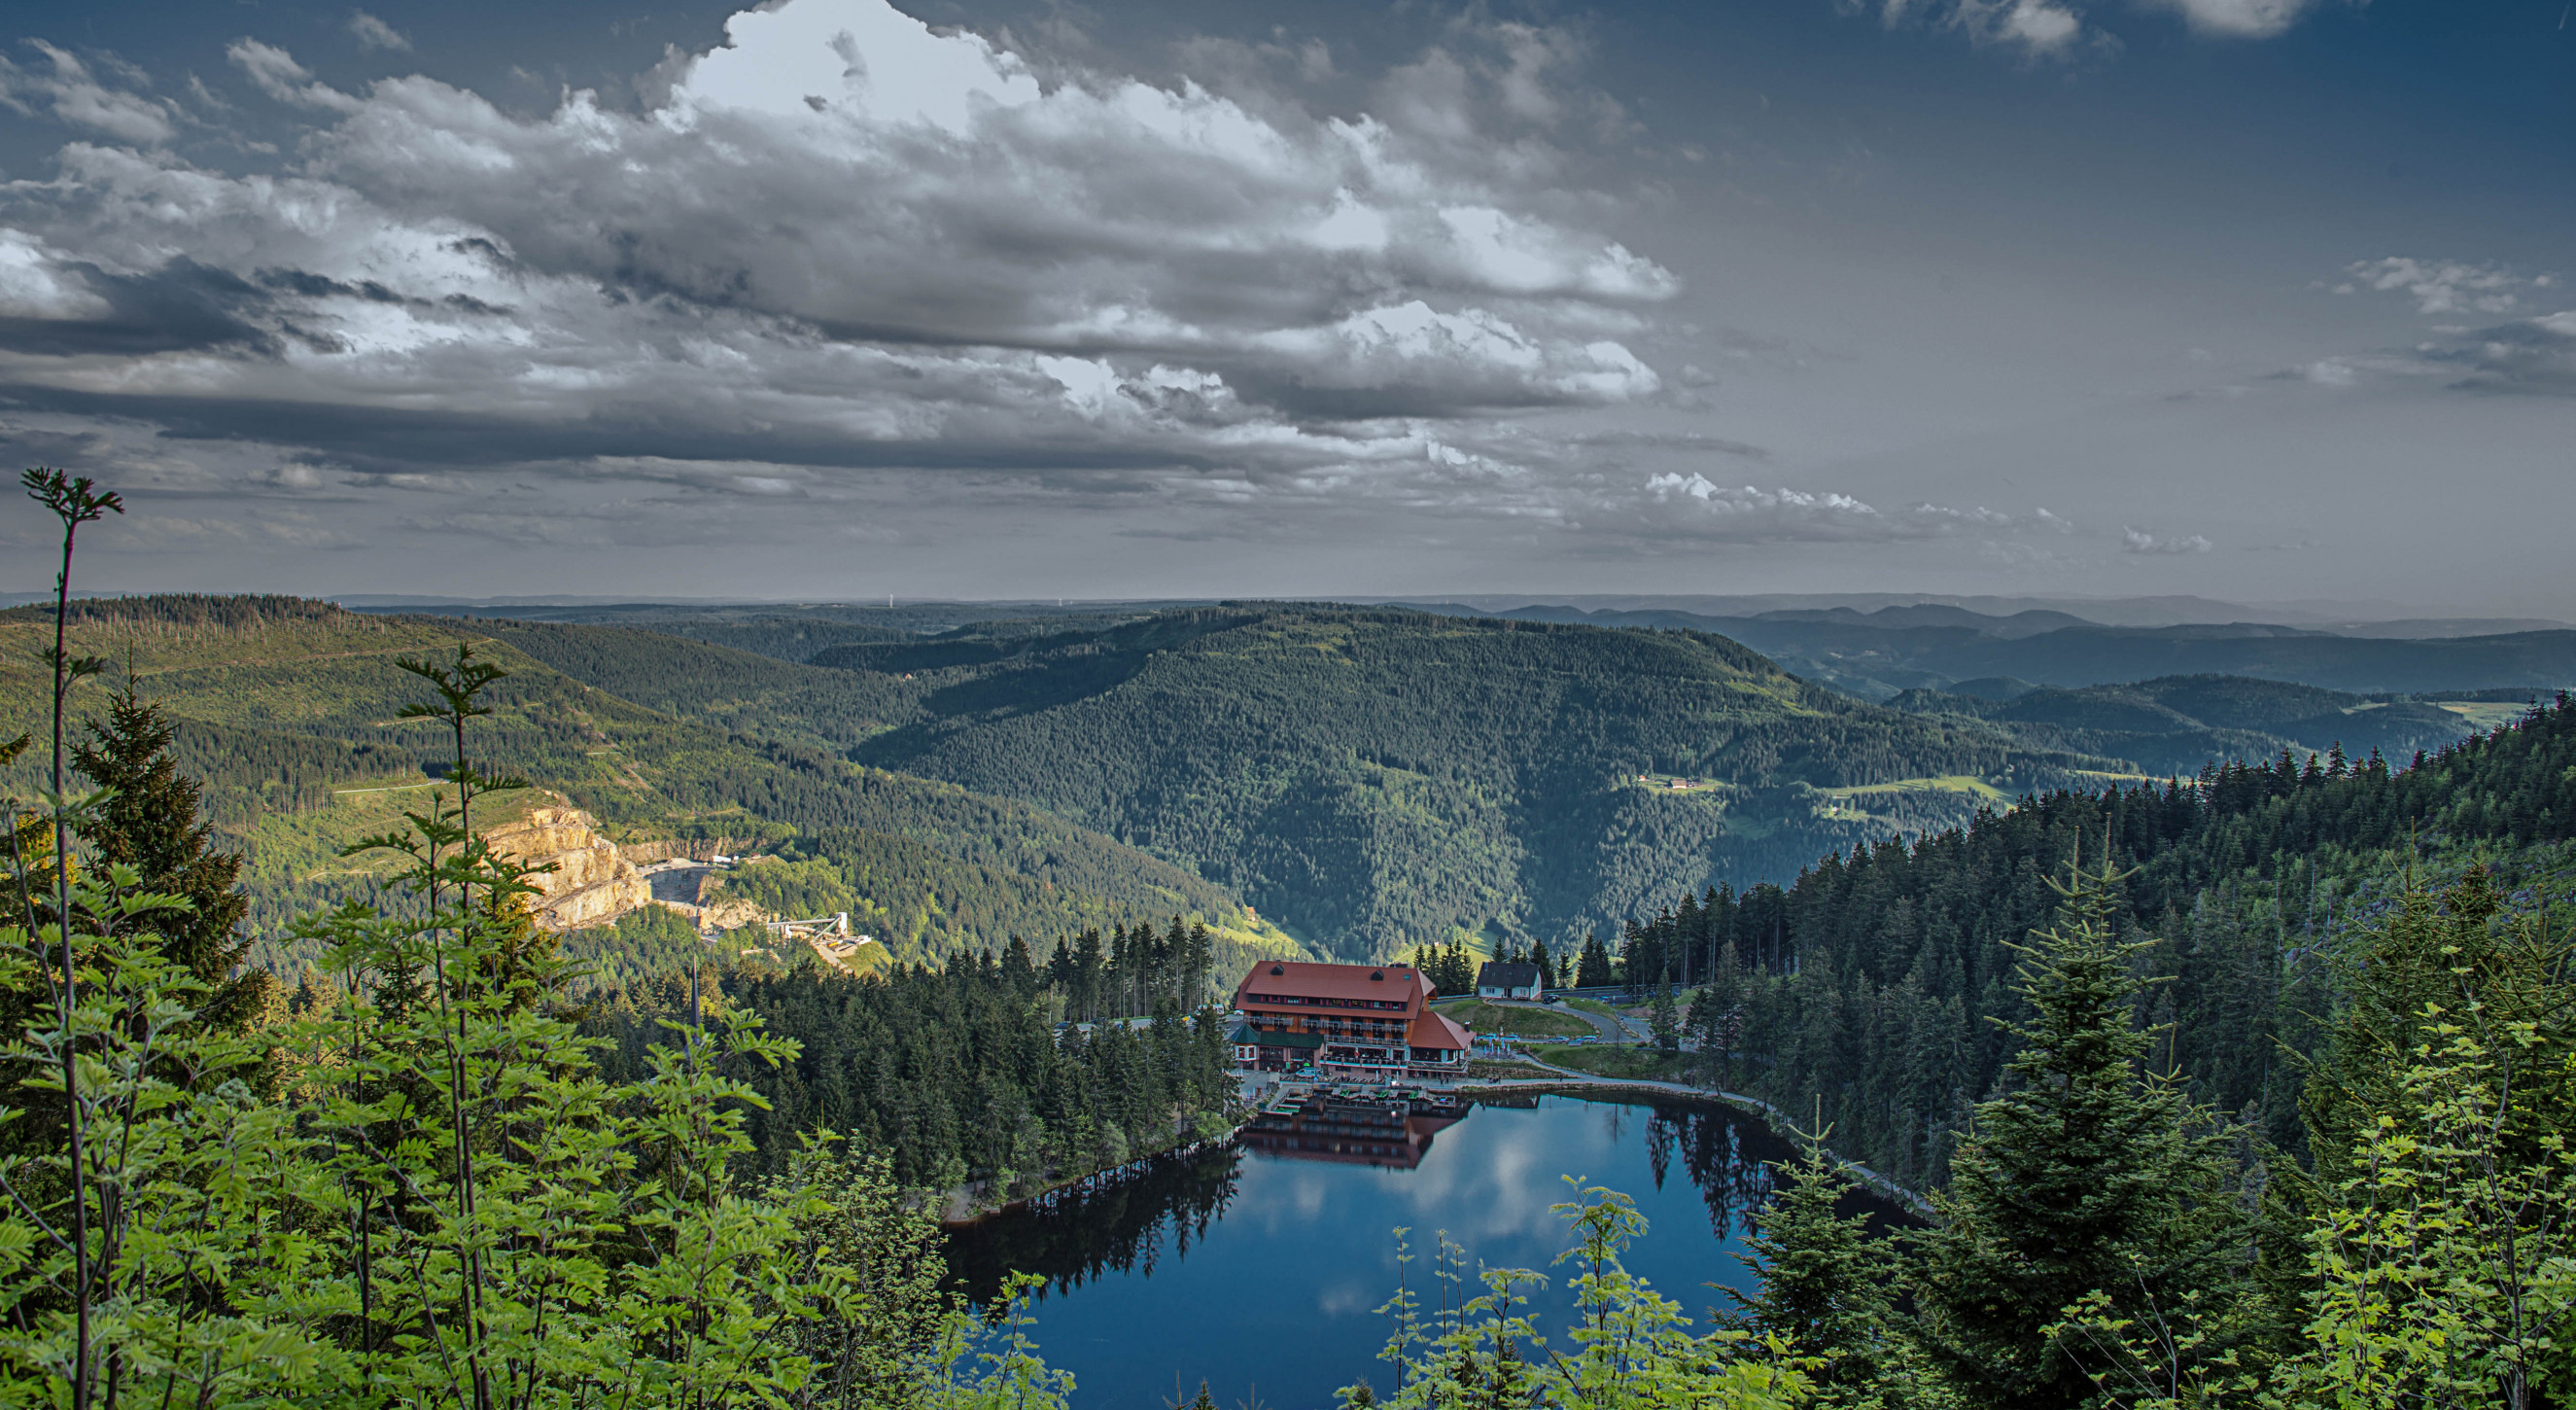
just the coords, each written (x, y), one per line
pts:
(1258, 1268)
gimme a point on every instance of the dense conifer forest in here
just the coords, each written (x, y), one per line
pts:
(2174, 724)
(1879, 979)
(1372, 779)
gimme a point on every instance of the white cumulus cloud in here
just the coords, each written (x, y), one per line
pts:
(1749, 513)
(281, 78)
(2134, 540)
(2239, 19)
(844, 241)
(73, 93)
(373, 33)
(2058, 29)
(2443, 286)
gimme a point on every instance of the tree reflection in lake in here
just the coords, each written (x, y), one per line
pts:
(1126, 1228)
(1731, 1172)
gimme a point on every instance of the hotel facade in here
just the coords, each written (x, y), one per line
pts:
(1349, 1020)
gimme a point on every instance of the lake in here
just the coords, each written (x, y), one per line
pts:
(1260, 1268)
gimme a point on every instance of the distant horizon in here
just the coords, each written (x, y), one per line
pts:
(2144, 610)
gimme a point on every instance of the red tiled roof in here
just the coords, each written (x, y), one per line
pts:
(1307, 979)
(1435, 1030)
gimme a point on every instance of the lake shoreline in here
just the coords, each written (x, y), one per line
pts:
(1046, 1195)
(1561, 1081)
(1573, 1083)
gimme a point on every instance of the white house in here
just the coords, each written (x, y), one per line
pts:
(1499, 980)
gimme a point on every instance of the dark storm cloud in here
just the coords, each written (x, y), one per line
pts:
(379, 440)
(180, 306)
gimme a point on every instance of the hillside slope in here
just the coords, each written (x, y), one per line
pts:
(287, 711)
(1375, 778)
(1875, 989)
(2179, 724)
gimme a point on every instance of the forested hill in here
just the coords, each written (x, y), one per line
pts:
(1378, 778)
(2175, 724)
(287, 709)
(1875, 979)
(1877, 655)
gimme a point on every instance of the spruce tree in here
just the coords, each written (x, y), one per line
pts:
(150, 823)
(2084, 1194)
(1823, 1286)
(1664, 1020)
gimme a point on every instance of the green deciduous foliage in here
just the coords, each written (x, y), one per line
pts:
(2444, 1246)
(1628, 1346)
(430, 1195)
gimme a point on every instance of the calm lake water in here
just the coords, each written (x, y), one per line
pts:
(1260, 1270)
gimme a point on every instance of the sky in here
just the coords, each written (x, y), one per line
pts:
(2261, 300)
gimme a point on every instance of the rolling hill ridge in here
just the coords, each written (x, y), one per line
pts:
(287, 712)
(1377, 778)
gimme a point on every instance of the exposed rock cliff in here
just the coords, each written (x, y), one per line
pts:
(731, 914)
(687, 849)
(590, 884)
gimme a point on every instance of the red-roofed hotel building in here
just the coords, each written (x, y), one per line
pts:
(1353, 1020)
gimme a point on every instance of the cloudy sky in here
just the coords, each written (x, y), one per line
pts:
(2258, 299)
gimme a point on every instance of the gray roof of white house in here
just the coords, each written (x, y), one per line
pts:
(1500, 974)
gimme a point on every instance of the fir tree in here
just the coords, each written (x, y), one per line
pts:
(1593, 969)
(2084, 1190)
(1823, 1287)
(1664, 1020)
(150, 823)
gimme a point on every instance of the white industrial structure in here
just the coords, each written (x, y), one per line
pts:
(829, 935)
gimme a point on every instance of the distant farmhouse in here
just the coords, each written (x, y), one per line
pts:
(1500, 980)
(1348, 1020)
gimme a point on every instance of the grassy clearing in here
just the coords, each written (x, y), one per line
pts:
(288, 850)
(1968, 784)
(1506, 1018)
(1593, 1006)
(2485, 714)
(1620, 1063)
(1674, 783)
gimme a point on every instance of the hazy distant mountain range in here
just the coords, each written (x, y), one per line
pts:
(1878, 654)
(2342, 618)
